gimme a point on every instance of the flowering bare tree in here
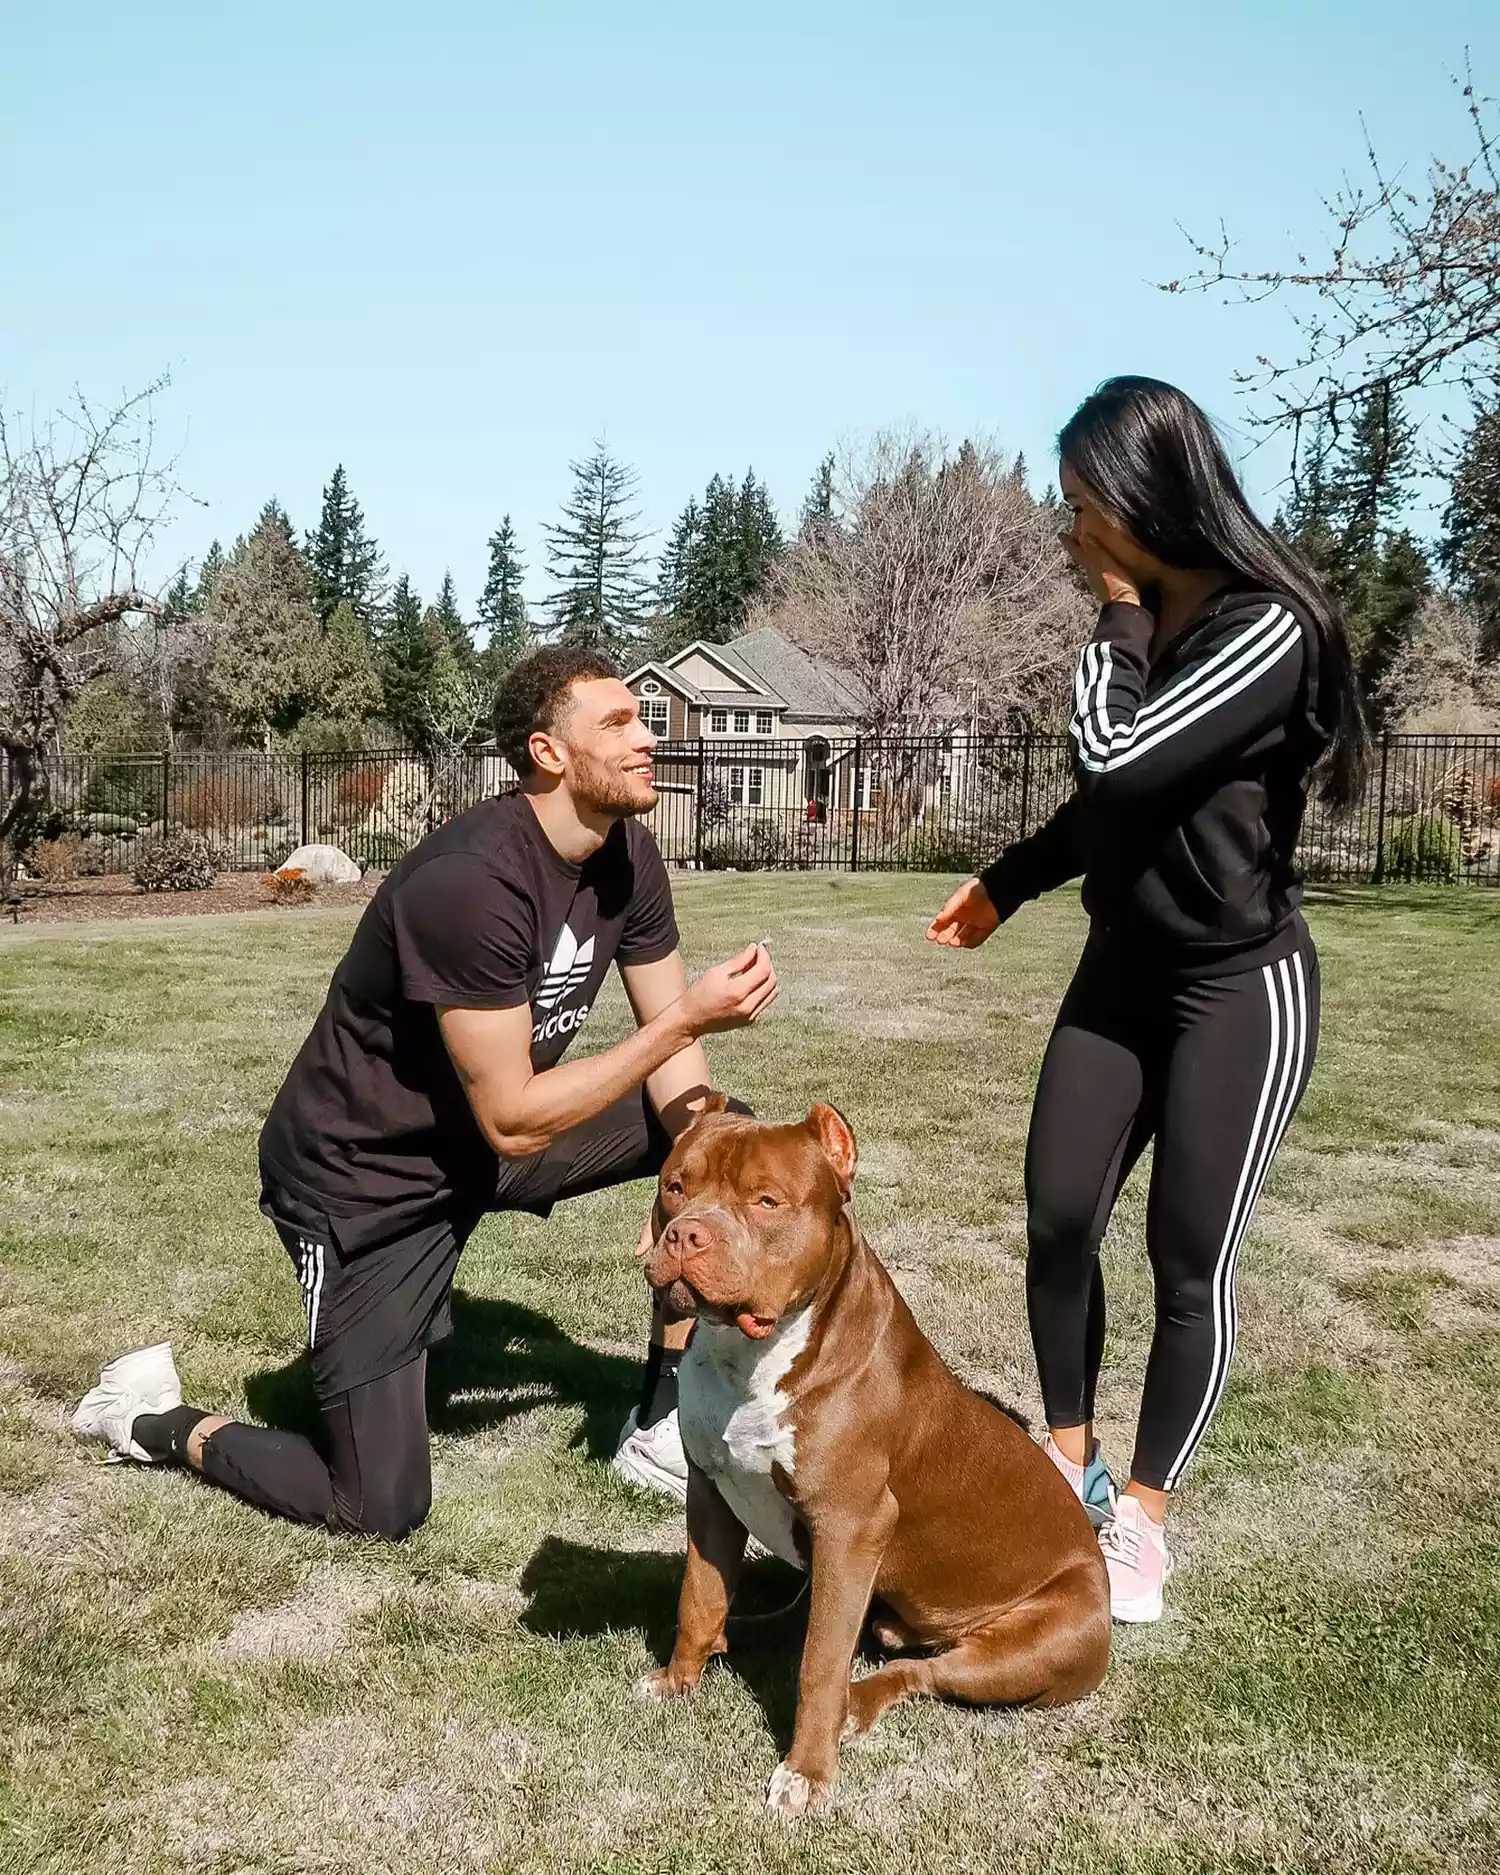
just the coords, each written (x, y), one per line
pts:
(1407, 296)
(939, 585)
(82, 497)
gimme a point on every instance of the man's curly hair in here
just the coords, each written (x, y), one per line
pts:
(536, 696)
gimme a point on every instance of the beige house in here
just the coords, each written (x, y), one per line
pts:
(782, 724)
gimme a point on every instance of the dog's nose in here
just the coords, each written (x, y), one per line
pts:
(686, 1235)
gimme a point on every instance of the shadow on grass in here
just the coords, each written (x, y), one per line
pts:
(1474, 904)
(575, 1591)
(502, 1360)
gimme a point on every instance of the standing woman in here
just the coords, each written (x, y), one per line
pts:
(1217, 682)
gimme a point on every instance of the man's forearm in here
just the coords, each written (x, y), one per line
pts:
(678, 1088)
(574, 1091)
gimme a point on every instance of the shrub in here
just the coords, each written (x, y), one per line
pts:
(291, 887)
(179, 862)
(214, 803)
(761, 846)
(109, 826)
(360, 790)
(130, 789)
(1425, 847)
(937, 849)
(94, 859)
(57, 860)
(382, 850)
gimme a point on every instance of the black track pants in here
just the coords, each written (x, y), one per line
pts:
(1212, 1071)
(371, 1318)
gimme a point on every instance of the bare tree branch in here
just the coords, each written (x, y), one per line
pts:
(1407, 297)
(82, 500)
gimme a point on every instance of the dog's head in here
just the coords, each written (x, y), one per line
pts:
(747, 1215)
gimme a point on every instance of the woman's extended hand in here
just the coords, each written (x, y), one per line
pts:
(966, 920)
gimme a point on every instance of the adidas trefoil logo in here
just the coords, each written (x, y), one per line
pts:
(565, 975)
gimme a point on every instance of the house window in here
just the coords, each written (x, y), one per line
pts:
(755, 782)
(736, 784)
(718, 722)
(742, 722)
(763, 723)
(650, 688)
(654, 714)
(862, 788)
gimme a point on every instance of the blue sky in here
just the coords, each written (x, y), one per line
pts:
(449, 245)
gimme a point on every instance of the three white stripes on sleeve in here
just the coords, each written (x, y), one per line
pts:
(1104, 745)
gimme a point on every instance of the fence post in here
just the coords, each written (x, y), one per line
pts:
(698, 809)
(166, 792)
(1385, 757)
(1025, 784)
(304, 797)
(854, 807)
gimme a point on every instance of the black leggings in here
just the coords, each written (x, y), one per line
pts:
(1212, 1071)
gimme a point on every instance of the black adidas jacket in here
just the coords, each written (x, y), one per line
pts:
(1192, 777)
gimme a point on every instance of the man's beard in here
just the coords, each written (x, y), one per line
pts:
(605, 790)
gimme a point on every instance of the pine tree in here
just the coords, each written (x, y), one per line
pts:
(452, 624)
(181, 600)
(719, 556)
(1393, 597)
(1470, 549)
(502, 609)
(274, 515)
(210, 571)
(346, 562)
(594, 557)
(266, 662)
(1344, 520)
(817, 510)
(406, 652)
(761, 543)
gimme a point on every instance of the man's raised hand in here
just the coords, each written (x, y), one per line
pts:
(732, 994)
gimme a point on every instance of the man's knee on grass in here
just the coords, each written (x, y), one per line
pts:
(389, 1506)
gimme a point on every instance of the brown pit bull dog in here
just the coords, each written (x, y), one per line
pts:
(818, 1417)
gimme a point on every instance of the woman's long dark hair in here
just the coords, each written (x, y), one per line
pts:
(1155, 462)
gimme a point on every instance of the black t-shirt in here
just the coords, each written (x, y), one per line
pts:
(484, 914)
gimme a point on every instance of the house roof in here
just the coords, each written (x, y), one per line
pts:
(810, 686)
(772, 673)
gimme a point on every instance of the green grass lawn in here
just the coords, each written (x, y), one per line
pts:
(187, 1685)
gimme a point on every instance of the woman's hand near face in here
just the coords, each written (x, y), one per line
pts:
(1096, 546)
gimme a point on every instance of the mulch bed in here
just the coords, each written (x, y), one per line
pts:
(115, 896)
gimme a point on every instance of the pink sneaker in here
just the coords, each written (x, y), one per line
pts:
(1138, 1561)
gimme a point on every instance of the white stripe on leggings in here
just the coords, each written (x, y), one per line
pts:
(315, 1295)
(1286, 1058)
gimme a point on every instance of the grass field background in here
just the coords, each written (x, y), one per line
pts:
(186, 1685)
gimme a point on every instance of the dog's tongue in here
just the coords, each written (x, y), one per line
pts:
(753, 1325)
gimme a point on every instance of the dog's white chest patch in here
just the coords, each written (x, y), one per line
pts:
(736, 1425)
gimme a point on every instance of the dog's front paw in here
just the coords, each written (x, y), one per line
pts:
(790, 1795)
(665, 1683)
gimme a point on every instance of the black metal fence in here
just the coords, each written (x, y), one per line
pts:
(921, 804)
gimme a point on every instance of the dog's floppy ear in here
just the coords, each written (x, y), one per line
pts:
(836, 1136)
(714, 1102)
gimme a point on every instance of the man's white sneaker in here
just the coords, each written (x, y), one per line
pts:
(652, 1457)
(143, 1382)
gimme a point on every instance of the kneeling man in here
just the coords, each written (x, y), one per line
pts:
(432, 1089)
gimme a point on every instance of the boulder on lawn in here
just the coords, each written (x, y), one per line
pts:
(323, 865)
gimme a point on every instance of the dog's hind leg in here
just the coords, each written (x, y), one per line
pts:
(1049, 1650)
